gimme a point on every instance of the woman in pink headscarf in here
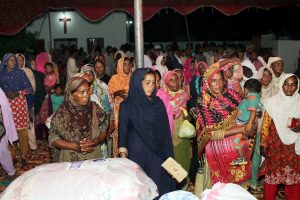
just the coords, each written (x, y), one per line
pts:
(189, 70)
(41, 59)
(178, 98)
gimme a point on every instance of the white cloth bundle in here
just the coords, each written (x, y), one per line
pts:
(111, 179)
(226, 191)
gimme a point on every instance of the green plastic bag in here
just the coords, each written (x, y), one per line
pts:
(187, 130)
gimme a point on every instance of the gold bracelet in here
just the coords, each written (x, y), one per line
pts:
(218, 134)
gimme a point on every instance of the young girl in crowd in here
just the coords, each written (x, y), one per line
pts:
(57, 97)
(50, 79)
(247, 113)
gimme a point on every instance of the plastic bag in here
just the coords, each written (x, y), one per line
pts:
(187, 130)
(225, 191)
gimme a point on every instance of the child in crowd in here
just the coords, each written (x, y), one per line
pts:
(247, 114)
(50, 79)
(57, 97)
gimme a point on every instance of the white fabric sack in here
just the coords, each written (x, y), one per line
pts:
(179, 195)
(109, 179)
(226, 191)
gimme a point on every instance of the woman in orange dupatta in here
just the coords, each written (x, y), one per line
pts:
(118, 88)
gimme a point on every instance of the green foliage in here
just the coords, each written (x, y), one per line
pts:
(21, 42)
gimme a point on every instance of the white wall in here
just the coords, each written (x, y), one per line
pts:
(112, 28)
(289, 51)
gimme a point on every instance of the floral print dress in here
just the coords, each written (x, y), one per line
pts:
(282, 164)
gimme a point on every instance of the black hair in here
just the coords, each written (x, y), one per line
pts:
(58, 86)
(100, 61)
(49, 63)
(149, 71)
(158, 73)
(253, 85)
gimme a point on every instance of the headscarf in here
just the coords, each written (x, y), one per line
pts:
(19, 54)
(196, 84)
(119, 52)
(100, 92)
(200, 65)
(187, 71)
(119, 81)
(263, 62)
(86, 68)
(280, 107)
(234, 81)
(272, 60)
(71, 121)
(149, 117)
(8, 121)
(177, 99)
(15, 80)
(270, 90)
(275, 79)
(215, 112)
(185, 87)
(41, 59)
(30, 98)
(161, 68)
(249, 64)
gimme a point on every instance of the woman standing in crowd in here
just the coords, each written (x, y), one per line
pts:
(182, 84)
(268, 85)
(276, 64)
(268, 90)
(178, 99)
(189, 70)
(146, 138)
(28, 72)
(46, 109)
(99, 95)
(195, 91)
(30, 100)
(41, 59)
(215, 113)
(100, 72)
(160, 65)
(281, 144)
(165, 98)
(16, 86)
(232, 82)
(8, 129)
(77, 128)
(40, 92)
(118, 88)
(249, 71)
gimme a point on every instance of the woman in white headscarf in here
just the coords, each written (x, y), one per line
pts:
(268, 89)
(281, 144)
(28, 72)
(249, 71)
(276, 64)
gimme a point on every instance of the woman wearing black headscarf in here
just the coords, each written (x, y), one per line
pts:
(144, 131)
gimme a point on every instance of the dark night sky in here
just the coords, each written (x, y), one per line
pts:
(208, 24)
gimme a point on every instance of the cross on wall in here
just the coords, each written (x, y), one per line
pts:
(65, 20)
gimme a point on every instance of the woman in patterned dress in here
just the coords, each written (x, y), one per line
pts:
(16, 86)
(280, 144)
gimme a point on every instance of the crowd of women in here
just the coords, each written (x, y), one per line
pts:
(241, 107)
